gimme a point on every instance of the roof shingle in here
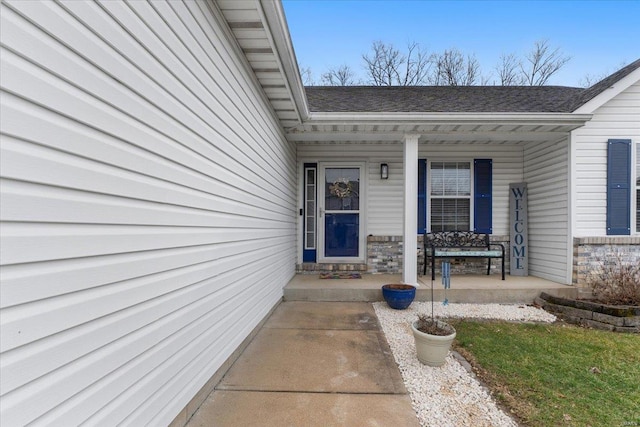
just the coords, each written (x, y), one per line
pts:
(439, 99)
(456, 99)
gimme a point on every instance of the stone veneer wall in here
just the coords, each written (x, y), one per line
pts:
(384, 255)
(589, 253)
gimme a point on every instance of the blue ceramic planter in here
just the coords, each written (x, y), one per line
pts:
(398, 296)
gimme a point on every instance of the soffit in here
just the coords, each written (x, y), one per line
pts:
(250, 26)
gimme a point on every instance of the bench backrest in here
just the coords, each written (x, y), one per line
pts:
(456, 239)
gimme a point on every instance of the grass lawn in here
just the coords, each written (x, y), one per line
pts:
(556, 375)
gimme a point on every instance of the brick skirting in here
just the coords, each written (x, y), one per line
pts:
(588, 253)
(384, 255)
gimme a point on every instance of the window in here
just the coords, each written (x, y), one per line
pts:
(310, 208)
(450, 196)
(445, 192)
(309, 219)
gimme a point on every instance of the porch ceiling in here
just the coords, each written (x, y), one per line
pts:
(437, 129)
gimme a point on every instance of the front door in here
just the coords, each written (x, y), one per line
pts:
(340, 224)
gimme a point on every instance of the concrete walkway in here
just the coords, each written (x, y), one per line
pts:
(312, 364)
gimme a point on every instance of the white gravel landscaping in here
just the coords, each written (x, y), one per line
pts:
(448, 395)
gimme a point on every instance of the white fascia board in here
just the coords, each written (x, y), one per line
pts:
(278, 31)
(451, 118)
(606, 95)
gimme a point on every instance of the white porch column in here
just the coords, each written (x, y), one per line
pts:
(410, 238)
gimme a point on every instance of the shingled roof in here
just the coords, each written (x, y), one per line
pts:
(439, 99)
(456, 99)
(595, 90)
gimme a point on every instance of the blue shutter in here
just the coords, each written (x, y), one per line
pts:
(422, 196)
(619, 187)
(482, 199)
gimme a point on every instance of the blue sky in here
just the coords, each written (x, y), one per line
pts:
(598, 35)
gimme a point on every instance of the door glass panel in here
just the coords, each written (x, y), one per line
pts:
(341, 222)
(341, 235)
(342, 189)
(310, 211)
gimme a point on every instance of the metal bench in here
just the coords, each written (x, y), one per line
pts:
(460, 244)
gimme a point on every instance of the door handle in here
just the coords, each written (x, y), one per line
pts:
(321, 212)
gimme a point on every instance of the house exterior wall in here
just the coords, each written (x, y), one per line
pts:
(384, 212)
(618, 118)
(546, 175)
(385, 197)
(148, 223)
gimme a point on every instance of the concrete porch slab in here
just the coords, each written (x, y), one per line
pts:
(258, 409)
(465, 288)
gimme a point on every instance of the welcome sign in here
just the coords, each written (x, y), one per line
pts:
(519, 229)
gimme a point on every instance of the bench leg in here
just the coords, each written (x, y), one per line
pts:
(502, 268)
(488, 266)
(424, 264)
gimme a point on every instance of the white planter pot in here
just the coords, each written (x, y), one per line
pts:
(432, 350)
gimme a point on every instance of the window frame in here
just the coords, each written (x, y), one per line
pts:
(470, 197)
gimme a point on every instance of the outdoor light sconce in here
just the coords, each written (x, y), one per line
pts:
(384, 171)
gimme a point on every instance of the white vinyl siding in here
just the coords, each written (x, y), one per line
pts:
(148, 209)
(384, 215)
(619, 118)
(546, 175)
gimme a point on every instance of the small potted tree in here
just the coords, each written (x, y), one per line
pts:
(434, 337)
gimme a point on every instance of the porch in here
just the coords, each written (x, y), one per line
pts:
(465, 288)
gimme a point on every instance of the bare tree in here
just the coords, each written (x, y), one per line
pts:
(453, 69)
(509, 70)
(387, 66)
(542, 63)
(590, 79)
(383, 64)
(417, 66)
(307, 76)
(341, 76)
